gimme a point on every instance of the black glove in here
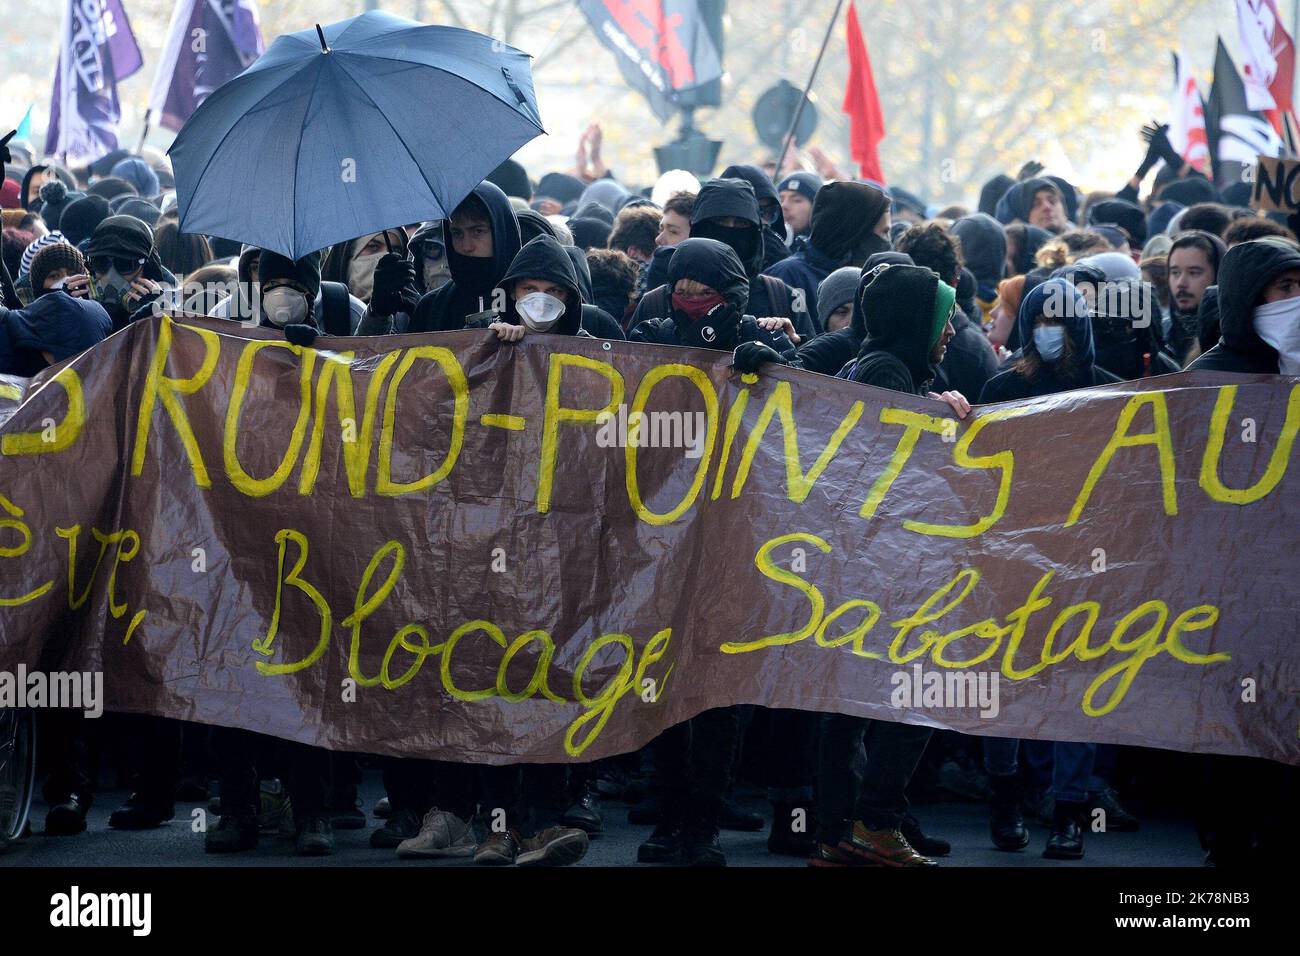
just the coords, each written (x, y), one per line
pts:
(299, 333)
(394, 285)
(750, 355)
(1029, 170)
(1157, 137)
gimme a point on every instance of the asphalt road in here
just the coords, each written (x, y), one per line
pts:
(1160, 842)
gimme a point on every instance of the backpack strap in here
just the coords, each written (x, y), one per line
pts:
(778, 295)
(336, 304)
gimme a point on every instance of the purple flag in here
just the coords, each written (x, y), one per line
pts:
(208, 43)
(96, 50)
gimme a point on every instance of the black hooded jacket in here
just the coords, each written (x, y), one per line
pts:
(774, 247)
(1246, 271)
(983, 250)
(735, 197)
(970, 360)
(445, 309)
(716, 265)
(831, 351)
(899, 325)
(595, 320)
(1012, 383)
(543, 258)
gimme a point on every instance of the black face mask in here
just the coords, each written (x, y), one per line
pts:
(475, 272)
(715, 330)
(743, 240)
(867, 247)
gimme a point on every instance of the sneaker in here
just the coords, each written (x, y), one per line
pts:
(233, 833)
(499, 849)
(554, 846)
(830, 855)
(664, 845)
(401, 826)
(67, 818)
(702, 846)
(585, 814)
(1117, 818)
(315, 836)
(442, 834)
(383, 809)
(886, 847)
(276, 812)
(141, 812)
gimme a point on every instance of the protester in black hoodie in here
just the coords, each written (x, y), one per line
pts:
(481, 239)
(595, 320)
(726, 210)
(969, 361)
(850, 221)
(907, 314)
(541, 294)
(710, 292)
(769, 210)
(1050, 361)
(1259, 311)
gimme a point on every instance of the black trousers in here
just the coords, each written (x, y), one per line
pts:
(69, 749)
(792, 756)
(243, 757)
(693, 767)
(868, 786)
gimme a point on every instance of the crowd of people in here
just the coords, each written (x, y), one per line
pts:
(1036, 289)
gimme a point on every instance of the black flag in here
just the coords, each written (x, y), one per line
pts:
(1237, 133)
(663, 47)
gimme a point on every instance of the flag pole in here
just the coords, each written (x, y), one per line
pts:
(144, 133)
(798, 113)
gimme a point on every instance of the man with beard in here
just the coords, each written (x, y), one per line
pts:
(1194, 259)
(850, 221)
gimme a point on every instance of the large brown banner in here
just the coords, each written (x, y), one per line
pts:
(439, 546)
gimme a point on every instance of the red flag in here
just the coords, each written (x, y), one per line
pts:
(866, 119)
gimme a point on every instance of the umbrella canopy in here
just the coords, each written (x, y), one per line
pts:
(340, 132)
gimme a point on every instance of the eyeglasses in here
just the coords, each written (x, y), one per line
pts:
(122, 265)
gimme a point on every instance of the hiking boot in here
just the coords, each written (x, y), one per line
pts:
(1066, 839)
(924, 844)
(1117, 818)
(499, 849)
(67, 818)
(554, 846)
(664, 845)
(784, 840)
(315, 836)
(585, 814)
(1006, 822)
(234, 833)
(442, 834)
(885, 847)
(702, 846)
(142, 812)
(734, 818)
